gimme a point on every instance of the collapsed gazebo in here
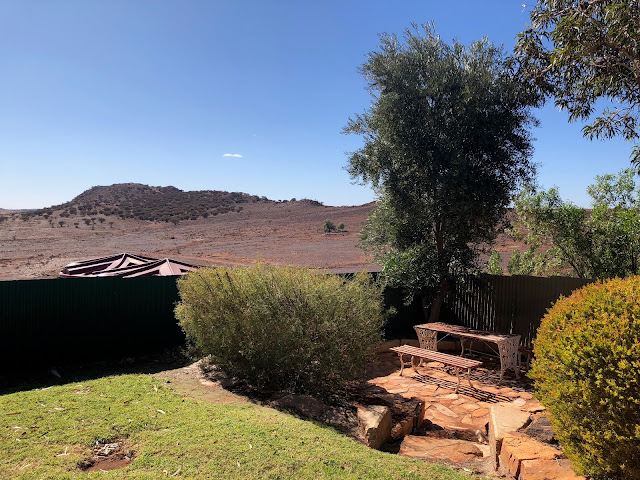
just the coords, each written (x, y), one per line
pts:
(126, 265)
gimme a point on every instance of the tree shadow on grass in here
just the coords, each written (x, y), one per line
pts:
(29, 376)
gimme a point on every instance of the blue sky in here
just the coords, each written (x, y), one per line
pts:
(157, 92)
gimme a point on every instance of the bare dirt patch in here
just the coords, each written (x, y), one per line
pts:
(107, 456)
(190, 381)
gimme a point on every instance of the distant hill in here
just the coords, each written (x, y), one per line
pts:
(158, 204)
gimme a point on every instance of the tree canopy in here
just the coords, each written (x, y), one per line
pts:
(582, 51)
(446, 143)
(603, 243)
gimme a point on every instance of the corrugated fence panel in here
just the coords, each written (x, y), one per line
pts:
(44, 320)
(509, 304)
(48, 320)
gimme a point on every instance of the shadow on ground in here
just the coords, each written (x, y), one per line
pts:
(28, 377)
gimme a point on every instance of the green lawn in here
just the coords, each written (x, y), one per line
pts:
(45, 433)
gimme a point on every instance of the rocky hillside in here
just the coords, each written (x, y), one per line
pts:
(143, 202)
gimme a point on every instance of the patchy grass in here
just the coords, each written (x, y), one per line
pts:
(46, 433)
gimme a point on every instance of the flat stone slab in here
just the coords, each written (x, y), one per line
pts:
(374, 425)
(559, 469)
(518, 447)
(503, 418)
(459, 453)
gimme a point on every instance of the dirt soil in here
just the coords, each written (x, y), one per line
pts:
(280, 233)
(106, 457)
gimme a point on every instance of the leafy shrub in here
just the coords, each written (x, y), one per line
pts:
(282, 327)
(494, 265)
(340, 227)
(328, 226)
(587, 374)
(522, 264)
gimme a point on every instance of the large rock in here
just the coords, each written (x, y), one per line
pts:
(503, 418)
(518, 447)
(402, 429)
(540, 429)
(374, 424)
(459, 453)
(545, 469)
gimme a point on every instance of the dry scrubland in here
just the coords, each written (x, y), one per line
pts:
(201, 227)
(279, 233)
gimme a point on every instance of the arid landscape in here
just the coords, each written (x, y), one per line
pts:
(275, 232)
(34, 244)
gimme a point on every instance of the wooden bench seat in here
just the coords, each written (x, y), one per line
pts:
(434, 356)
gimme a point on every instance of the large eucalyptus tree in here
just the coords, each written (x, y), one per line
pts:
(446, 145)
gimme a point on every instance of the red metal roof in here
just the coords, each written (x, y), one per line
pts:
(125, 265)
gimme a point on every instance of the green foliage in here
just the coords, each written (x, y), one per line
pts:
(282, 327)
(340, 227)
(328, 226)
(581, 52)
(603, 244)
(522, 264)
(446, 145)
(494, 265)
(587, 359)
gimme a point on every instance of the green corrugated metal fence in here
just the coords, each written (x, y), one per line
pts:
(47, 320)
(509, 304)
(76, 319)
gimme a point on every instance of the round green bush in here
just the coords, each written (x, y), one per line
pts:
(587, 374)
(287, 328)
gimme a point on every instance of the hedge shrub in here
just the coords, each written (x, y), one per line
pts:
(587, 374)
(282, 327)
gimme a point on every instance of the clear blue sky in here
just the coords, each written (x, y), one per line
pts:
(157, 92)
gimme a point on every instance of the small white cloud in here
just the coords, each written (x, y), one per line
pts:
(236, 155)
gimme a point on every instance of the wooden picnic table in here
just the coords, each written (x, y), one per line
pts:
(507, 343)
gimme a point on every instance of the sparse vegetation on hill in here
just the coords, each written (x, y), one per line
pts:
(142, 202)
(329, 226)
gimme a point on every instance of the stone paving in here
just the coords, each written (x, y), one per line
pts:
(463, 428)
(435, 384)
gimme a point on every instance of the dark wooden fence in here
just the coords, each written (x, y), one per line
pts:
(77, 319)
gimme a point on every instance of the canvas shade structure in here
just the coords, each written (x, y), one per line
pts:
(125, 265)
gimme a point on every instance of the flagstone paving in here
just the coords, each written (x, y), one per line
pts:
(435, 385)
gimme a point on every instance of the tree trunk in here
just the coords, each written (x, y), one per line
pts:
(434, 313)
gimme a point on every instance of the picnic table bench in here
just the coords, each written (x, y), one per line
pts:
(434, 356)
(507, 343)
